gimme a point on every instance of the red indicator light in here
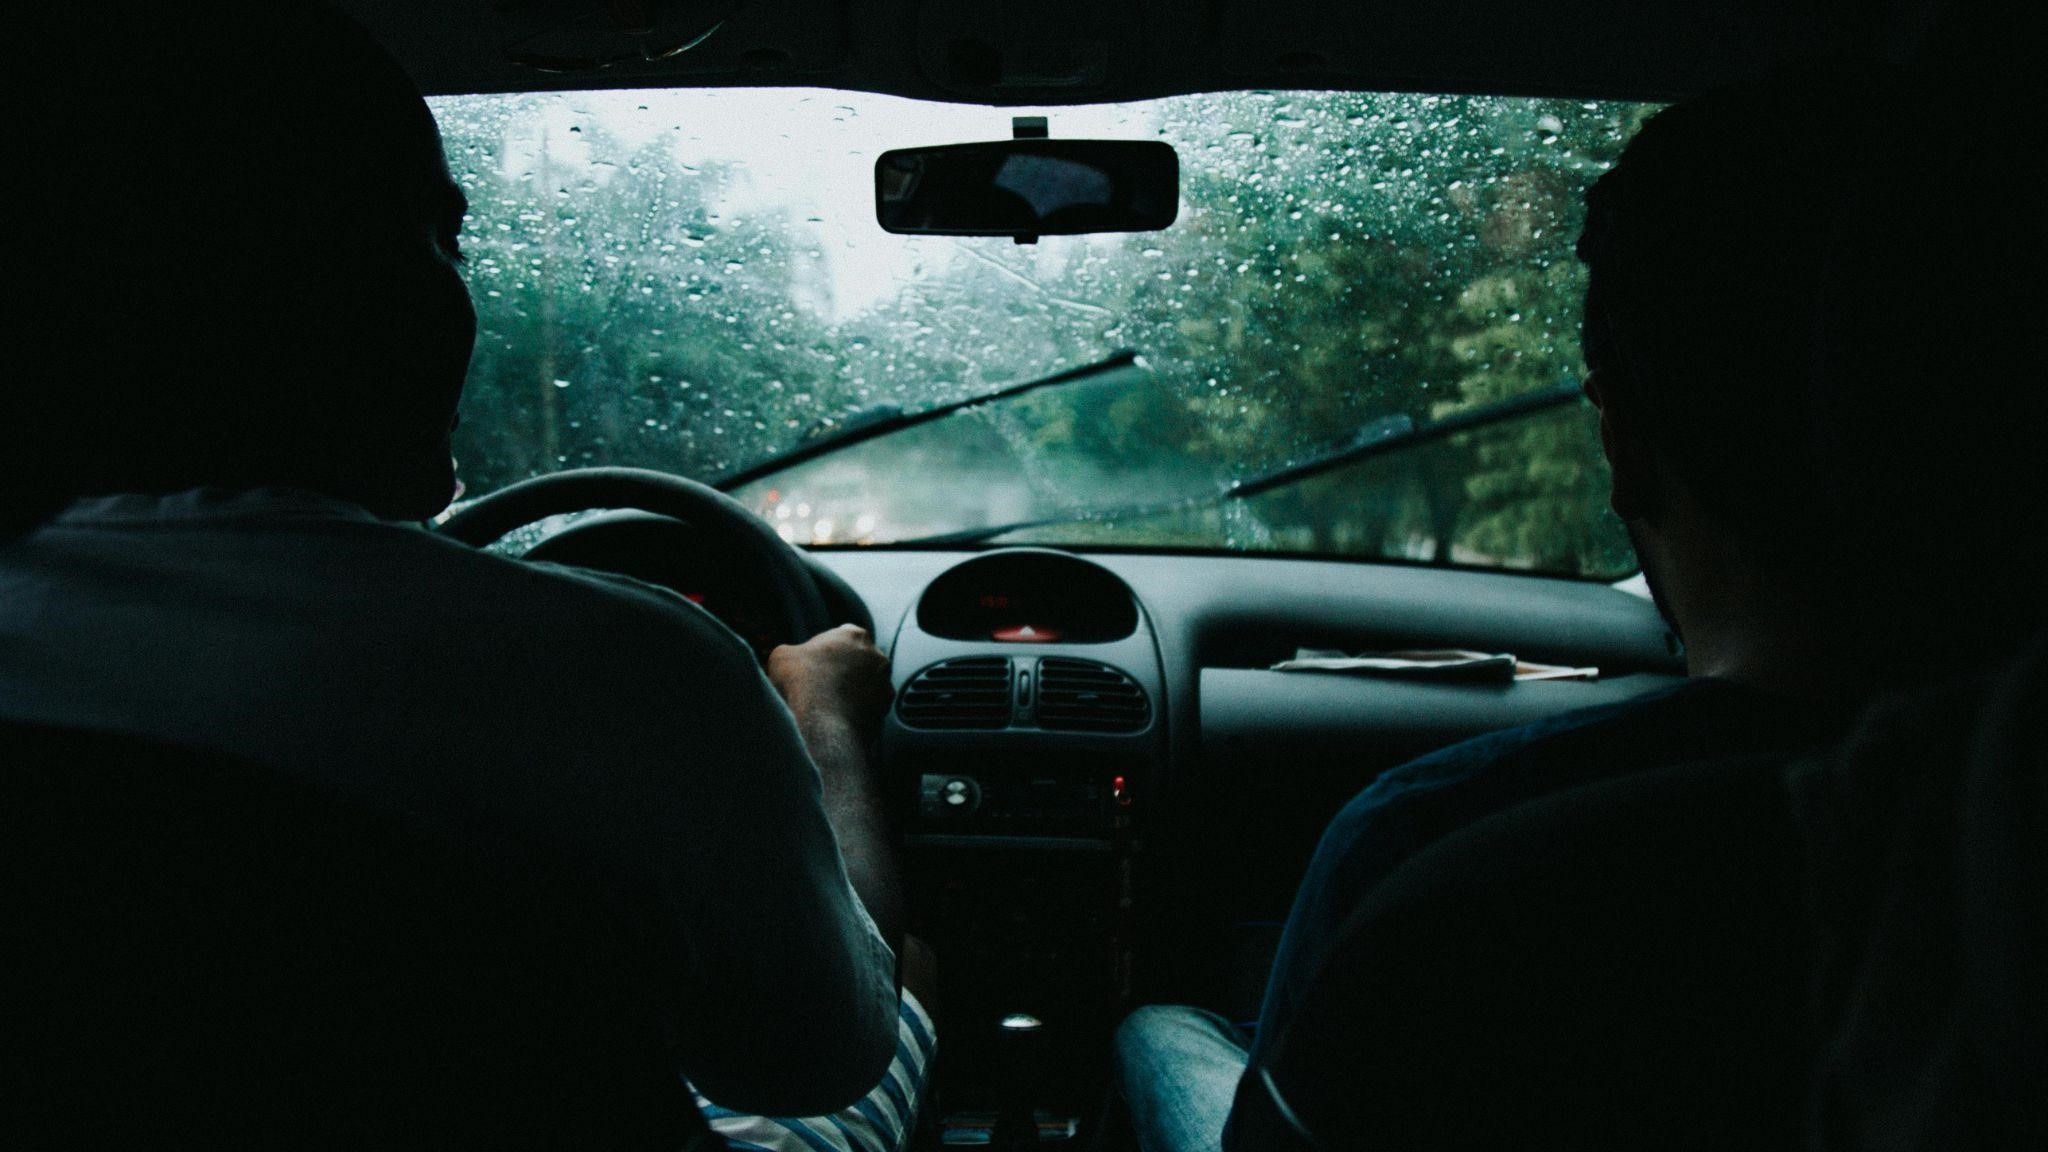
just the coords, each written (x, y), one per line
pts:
(1119, 791)
(694, 597)
(1025, 634)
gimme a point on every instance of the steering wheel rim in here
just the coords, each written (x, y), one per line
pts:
(722, 521)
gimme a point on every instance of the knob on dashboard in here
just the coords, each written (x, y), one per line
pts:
(941, 796)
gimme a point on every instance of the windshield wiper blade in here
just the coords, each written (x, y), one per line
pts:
(861, 431)
(1382, 436)
(1366, 447)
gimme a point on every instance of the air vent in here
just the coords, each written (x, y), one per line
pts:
(970, 693)
(1082, 696)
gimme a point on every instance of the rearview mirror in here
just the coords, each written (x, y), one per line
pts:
(1028, 188)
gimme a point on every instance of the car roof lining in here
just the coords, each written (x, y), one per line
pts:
(1092, 51)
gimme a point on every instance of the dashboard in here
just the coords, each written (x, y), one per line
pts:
(1100, 780)
(1188, 744)
(1067, 699)
(1028, 702)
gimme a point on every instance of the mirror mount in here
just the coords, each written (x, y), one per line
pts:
(1029, 128)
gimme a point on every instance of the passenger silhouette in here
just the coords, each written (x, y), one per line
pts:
(1812, 420)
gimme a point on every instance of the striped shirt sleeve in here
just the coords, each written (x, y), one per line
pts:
(881, 1121)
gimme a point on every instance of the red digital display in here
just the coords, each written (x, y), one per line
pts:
(1028, 598)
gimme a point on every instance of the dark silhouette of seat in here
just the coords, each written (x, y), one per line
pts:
(1840, 953)
(214, 954)
(1929, 866)
(1617, 966)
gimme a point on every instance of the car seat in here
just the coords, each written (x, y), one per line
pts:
(1929, 865)
(1842, 954)
(1617, 966)
(205, 952)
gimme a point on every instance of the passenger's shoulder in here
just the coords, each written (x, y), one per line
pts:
(1596, 723)
(1477, 763)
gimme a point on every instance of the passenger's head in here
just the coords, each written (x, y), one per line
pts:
(253, 279)
(1704, 246)
(1780, 303)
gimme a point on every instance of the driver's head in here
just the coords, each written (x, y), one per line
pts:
(254, 281)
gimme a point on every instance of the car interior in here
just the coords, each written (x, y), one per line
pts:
(1110, 754)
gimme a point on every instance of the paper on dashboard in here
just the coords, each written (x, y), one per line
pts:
(1433, 664)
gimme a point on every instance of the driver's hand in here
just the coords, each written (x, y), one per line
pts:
(838, 675)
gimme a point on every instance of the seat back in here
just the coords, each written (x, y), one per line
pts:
(1929, 835)
(1701, 957)
(1617, 966)
(203, 951)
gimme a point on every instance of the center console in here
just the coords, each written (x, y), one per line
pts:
(1027, 731)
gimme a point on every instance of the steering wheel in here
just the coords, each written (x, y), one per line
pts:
(721, 522)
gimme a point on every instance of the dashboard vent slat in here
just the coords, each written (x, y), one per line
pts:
(1083, 696)
(975, 692)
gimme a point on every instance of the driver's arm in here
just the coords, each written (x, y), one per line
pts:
(785, 993)
(837, 686)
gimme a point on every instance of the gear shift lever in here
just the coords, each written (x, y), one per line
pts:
(1021, 1045)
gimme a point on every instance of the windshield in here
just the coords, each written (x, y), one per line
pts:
(694, 281)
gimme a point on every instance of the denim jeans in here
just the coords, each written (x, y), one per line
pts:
(1178, 1070)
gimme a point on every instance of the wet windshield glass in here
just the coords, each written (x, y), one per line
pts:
(695, 282)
